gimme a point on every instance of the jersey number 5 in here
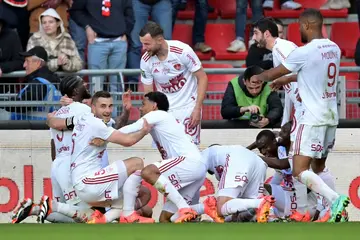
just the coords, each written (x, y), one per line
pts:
(331, 74)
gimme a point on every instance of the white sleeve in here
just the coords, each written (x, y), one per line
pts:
(134, 127)
(152, 118)
(100, 130)
(190, 59)
(146, 76)
(277, 178)
(288, 105)
(297, 59)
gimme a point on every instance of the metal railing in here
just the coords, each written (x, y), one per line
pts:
(348, 98)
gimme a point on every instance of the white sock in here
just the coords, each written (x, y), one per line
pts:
(238, 205)
(130, 191)
(77, 213)
(56, 217)
(164, 186)
(316, 184)
(328, 178)
(199, 208)
(112, 214)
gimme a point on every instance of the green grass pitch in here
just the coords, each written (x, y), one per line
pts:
(198, 231)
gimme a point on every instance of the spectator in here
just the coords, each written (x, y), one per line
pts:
(108, 25)
(40, 84)
(241, 99)
(58, 44)
(336, 4)
(160, 11)
(10, 46)
(262, 57)
(238, 45)
(198, 33)
(285, 4)
(37, 7)
(20, 21)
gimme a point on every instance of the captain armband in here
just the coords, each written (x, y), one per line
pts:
(70, 123)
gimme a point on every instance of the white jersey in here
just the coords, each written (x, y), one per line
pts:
(86, 158)
(168, 134)
(62, 139)
(173, 76)
(317, 64)
(281, 50)
(217, 157)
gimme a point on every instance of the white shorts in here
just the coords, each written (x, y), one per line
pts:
(103, 185)
(314, 141)
(289, 199)
(242, 179)
(186, 175)
(294, 129)
(62, 187)
(183, 116)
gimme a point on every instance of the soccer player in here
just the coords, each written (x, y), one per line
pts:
(181, 173)
(176, 71)
(317, 64)
(93, 184)
(241, 174)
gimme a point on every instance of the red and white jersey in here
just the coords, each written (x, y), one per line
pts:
(317, 64)
(281, 50)
(173, 76)
(216, 158)
(62, 139)
(87, 159)
(168, 135)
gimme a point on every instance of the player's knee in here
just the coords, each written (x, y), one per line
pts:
(134, 164)
(318, 165)
(150, 174)
(144, 196)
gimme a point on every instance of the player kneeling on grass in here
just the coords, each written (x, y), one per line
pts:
(93, 184)
(241, 174)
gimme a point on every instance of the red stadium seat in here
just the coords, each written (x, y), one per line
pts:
(219, 37)
(211, 112)
(183, 33)
(189, 12)
(346, 35)
(293, 33)
(227, 9)
(352, 79)
(277, 12)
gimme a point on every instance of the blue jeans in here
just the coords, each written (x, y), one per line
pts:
(78, 34)
(107, 55)
(161, 14)
(240, 19)
(201, 14)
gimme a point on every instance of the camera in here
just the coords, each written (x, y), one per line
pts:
(255, 117)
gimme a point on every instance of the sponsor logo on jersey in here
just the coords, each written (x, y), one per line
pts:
(177, 66)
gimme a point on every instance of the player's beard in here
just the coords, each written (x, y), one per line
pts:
(261, 43)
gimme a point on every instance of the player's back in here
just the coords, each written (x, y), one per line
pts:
(317, 81)
(62, 139)
(86, 158)
(217, 157)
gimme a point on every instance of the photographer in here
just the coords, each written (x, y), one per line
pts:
(254, 102)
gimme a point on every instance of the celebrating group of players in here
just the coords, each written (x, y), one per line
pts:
(87, 189)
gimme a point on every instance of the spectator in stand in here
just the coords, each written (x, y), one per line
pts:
(108, 25)
(285, 4)
(10, 46)
(60, 48)
(242, 99)
(336, 4)
(37, 7)
(262, 57)
(20, 21)
(238, 45)
(201, 15)
(161, 13)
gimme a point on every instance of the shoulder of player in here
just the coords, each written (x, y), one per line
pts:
(145, 57)
(178, 47)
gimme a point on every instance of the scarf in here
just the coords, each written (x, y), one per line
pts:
(105, 10)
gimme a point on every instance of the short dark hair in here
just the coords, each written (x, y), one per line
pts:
(68, 85)
(267, 24)
(278, 22)
(152, 28)
(267, 134)
(160, 99)
(314, 14)
(100, 94)
(251, 71)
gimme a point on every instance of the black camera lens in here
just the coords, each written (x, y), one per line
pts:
(255, 117)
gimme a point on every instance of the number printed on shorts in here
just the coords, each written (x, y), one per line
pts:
(331, 74)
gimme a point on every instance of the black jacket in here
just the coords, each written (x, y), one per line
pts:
(121, 20)
(231, 110)
(261, 57)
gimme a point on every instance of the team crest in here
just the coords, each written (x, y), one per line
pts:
(177, 66)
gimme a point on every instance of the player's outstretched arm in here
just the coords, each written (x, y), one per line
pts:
(252, 146)
(276, 163)
(127, 140)
(59, 123)
(270, 75)
(122, 120)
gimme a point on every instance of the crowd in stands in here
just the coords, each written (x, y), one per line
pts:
(104, 34)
